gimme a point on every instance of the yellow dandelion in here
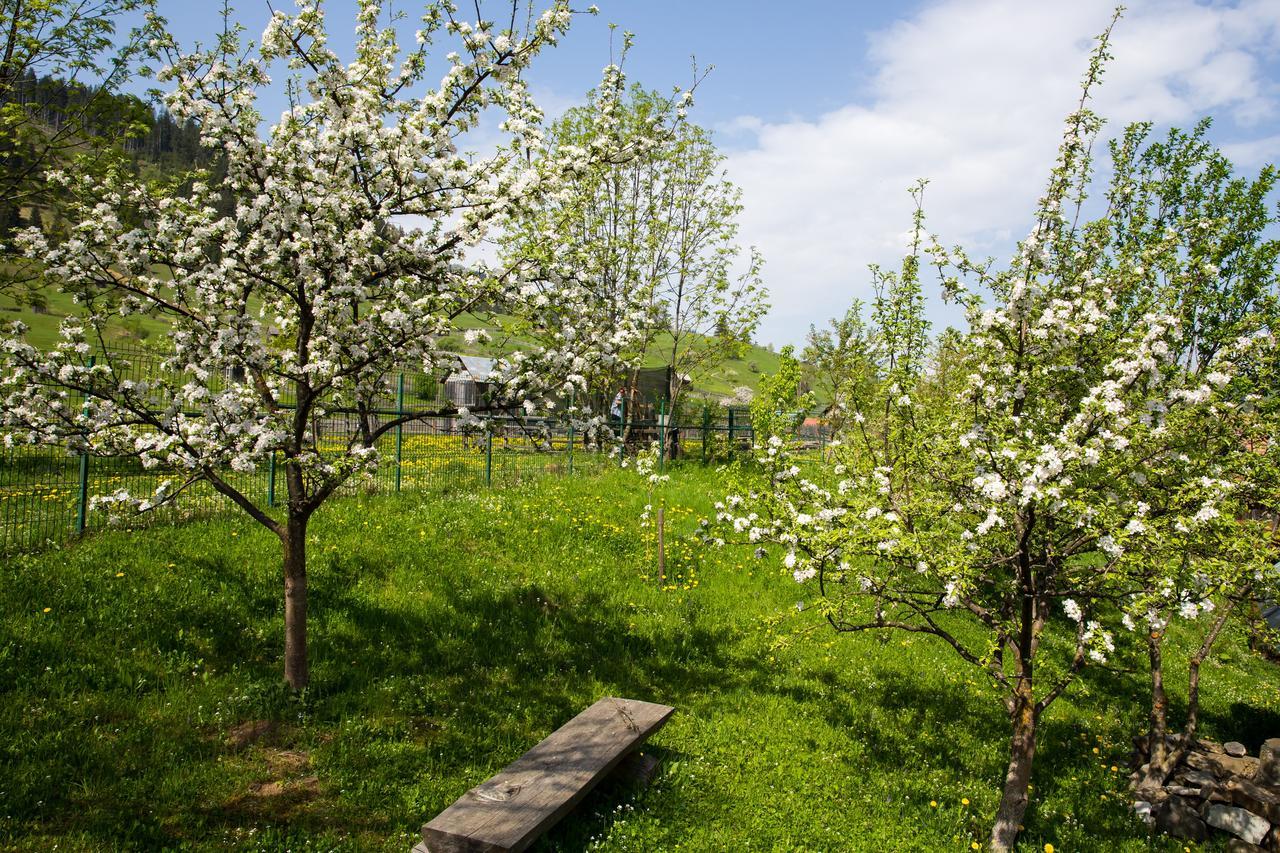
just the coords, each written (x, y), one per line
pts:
(975, 845)
(933, 804)
(964, 801)
(47, 609)
(119, 574)
(1048, 848)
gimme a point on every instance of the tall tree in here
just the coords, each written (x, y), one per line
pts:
(305, 292)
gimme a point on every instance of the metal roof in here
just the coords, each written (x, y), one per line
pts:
(476, 367)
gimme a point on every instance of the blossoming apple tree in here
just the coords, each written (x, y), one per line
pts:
(655, 231)
(309, 291)
(1010, 509)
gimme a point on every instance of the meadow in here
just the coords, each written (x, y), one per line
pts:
(455, 627)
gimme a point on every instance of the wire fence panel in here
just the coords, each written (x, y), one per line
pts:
(39, 491)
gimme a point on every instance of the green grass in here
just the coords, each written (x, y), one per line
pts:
(43, 327)
(452, 630)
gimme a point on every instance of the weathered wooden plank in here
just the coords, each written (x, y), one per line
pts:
(511, 809)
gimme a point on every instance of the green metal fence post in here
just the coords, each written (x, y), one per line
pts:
(662, 436)
(571, 447)
(82, 513)
(731, 445)
(622, 434)
(488, 455)
(399, 429)
(271, 480)
(706, 430)
(84, 492)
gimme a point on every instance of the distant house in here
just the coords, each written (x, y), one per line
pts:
(468, 384)
(812, 429)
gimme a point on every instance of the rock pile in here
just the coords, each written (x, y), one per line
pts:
(1215, 787)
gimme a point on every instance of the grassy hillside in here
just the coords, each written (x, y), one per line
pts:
(43, 325)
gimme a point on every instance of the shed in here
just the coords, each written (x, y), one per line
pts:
(468, 384)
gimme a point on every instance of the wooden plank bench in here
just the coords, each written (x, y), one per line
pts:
(511, 809)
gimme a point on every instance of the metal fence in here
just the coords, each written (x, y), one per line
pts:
(715, 434)
(46, 491)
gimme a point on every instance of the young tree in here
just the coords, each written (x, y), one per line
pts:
(654, 233)
(838, 362)
(1019, 505)
(596, 232)
(710, 312)
(305, 291)
(1221, 286)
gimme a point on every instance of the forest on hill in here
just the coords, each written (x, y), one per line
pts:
(92, 127)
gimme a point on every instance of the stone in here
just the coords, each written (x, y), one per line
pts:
(1223, 765)
(1143, 810)
(1176, 817)
(1257, 799)
(1209, 746)
(1234, 748)
(1238, 822)
(1239, 845)
(1182, 791)
(1269, 762)
(1199, 779)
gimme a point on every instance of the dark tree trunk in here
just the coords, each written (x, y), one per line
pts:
(1157, 746)
(1017, 779)
(295, 602)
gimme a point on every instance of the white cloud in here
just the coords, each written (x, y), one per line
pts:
(971, 95)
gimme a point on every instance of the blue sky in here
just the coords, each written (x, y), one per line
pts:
(767, 64)
(829, 111)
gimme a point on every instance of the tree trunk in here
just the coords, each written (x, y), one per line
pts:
(1197, 659)
(1157, 747)
(295, 602)
(1017, 779)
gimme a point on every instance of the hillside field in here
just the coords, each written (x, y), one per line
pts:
(138, 330)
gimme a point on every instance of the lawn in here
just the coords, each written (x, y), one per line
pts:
(452, 629)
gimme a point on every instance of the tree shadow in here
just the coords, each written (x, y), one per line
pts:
(1248, 724)
(475, 677)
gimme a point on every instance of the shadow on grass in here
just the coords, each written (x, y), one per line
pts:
(1246, 723)
(411, 703)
